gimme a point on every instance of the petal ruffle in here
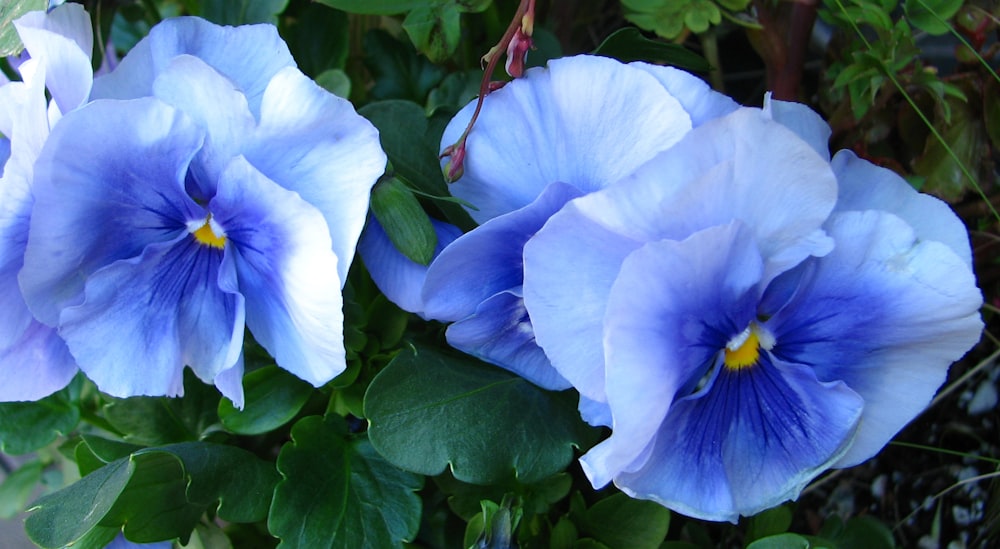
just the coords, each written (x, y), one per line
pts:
(802, 120)
(314, 143)
(701, 102)
(887, 314)
(499, 332)
(865, 186)
(578, 121)
(487, 260)
(208, 98)
(673, 307)
(61, 40)
(399, 278)
(750, 440)
(121, 190)
(36, 365)
(144, 318)
(287, 271)
(248, 55)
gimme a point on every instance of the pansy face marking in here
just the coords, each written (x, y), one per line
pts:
(208, 232)
(743, 351)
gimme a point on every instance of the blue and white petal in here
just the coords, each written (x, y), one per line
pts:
(61, 41)
(144, 318)
(865, 186)
(673, 307)
(35, 365)
(586, 121)
(802, 120)
(397, 276)
(886, 313)
(701, 102)
(97, 205)
(748, 441)
(499, 332)
(287, 271)
(249, 56)
(314, 143)
(487, 260)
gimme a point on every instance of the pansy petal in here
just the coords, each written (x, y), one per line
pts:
(802, 120)
(576, 121)
(783, 192)
(172, 305)
(36, 365)
(397, 276)
(62, 41)
(487, 260)
(190, 85)
(750, 441)
(287, 270)
(701, 102)
(886, 313)
(499, 332)
(314, 143)
(865, 186)
(15, 209)
(672, 308)
(120, 190)
(230, 382)
(569, 267)
(260, 54)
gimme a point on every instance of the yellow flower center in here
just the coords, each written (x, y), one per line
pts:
(743, 350)
(206, 234)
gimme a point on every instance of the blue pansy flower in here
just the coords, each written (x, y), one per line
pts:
(209, 185)
(570, 128)
(747, 313)
(34, 361)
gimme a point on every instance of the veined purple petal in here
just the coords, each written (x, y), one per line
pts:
(287, 271)
(314, 143)
(15, 209)
(700, 101)
(208, 98)
(886, 313)
(569, 268)
(673, 307)
(399, 278)
(499, 332)
(865, 186)
(36, 365)
(145, 317)
(61, 41)
(121, 189)
(487, 260)
(750, 440)
(586, 121)
(248, 55)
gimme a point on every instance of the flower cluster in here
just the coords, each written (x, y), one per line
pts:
(203, 186)
(741, 310)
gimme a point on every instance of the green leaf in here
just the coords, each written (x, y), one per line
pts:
(154, 421)
(966, 137)
(932, 16)
(28, 426)
(241, 12)
(156, 494)
(700, 15)
(781, 541)
(10, 42)
(619, 521)
(398, 72)
(318, 39)
(411, 144)
(628, 44)
(404, 221)
(374, 7)
(273, 398)
(429, 410)
(773, 521)
(864, 532)
(336, 82)
(434, 29)
(92, 453)
(338, 492)
(18, 487)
